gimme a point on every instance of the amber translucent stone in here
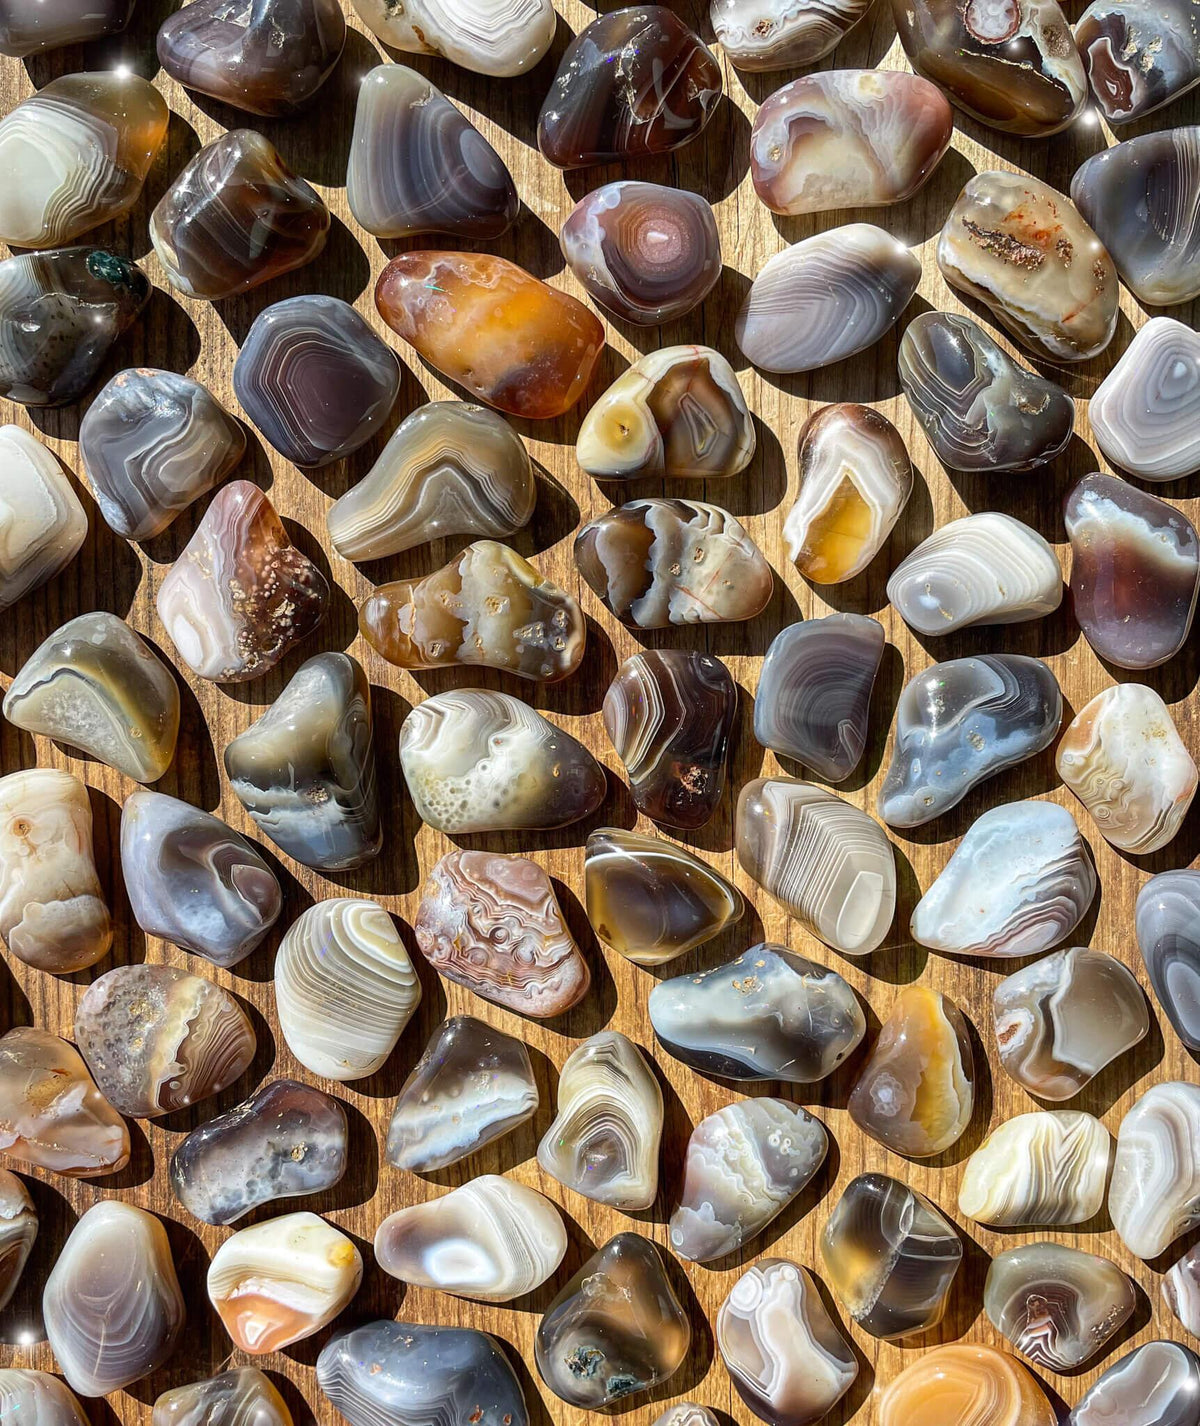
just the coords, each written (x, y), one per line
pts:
(961, 1383)
(508, 338)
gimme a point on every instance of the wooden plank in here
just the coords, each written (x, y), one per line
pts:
(109, 574)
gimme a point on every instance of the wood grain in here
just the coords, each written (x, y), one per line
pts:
(109, 574)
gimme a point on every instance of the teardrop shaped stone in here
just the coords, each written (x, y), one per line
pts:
(112, 1305)
(305, 771)
(418, 165)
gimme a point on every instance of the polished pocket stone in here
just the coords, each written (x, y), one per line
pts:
(496, 37)
(1139, 54)
(1168, 936)
(30, 27)
(768, 35)
(1145, 414)
(42, 524)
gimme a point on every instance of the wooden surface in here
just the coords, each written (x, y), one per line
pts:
(109, 574)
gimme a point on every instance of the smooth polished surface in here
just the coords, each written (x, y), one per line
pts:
(493, 37)
(1047, 1168)
(242, 1396)
(1168, 936)
(1157, 1384)
(42, 523)
(1154, 1195)
(769, 35)
(1144, 413)
(965, 1385)
(1139, 54)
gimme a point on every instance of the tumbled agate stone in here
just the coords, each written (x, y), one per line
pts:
(979, 409)
(650, 899)
(418, 165)
(112, 1305)
(677, 412)
(75, 154)
(786, 1355)
(287, 1140)
(961, 722)
(478, 761)
(1157, 1384)
(269, 59)
(236, 216)
(764, 35)
(241, 594)
(280, 1281)
(814, 692)
(497, 37)
(686, 1413)
(744, 1165)
(18, 1231)
(44, 1400)
(42, 523)
(1180, 1290)
(158, 1039)
(449, 469)
(493, 923)
(152, 442)
(1043, 1169)
(53, 914)
(635, 81)
(645, 253)
(891, 1256)
(1013, 67)
(1139, 54)
(51, 1113)
(769, 1014)
(615, 1328)
(916, 1092)
(669, 714)
(1122, 756)
(192, 880)
(1141, 198)
(345, 987)
(604, 1140)
(1135, 571)
(60, 313)
(1154, 1195)
(1168, 936)
(986, 568)
(1145, 414)
(242, 1395)
(488, 608)
(490, 1239)
(658, 562)
(408, 1375)
(855, 479)
(953, 1383)
(98, 686)
(487, 324)
(1022, 249)
(472, 1085)
(825, 861)
(1056, 1305)
(29, 27)
(1062, 1019)
(847, 138)
(825, 298)
(315, 379)
(1019, 882)
(305, 771)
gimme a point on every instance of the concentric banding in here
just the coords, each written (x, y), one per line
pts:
(1038, 1170)
(1145, 414)
(1155, 1190)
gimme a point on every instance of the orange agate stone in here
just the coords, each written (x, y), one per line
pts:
(963, 1385)
(510, 339)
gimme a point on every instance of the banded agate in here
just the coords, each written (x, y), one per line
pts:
(743, 1166)
(496, 37)
(916, 1092)
(1122, 756)
(18, 1232)
(1180, 1290)
(652, 900)
(1154, 1195)
(1157, 1384)
(97, 685)
(448, 469)
(40, 1398)
(1044, 1169)
(493, 923)
(855, 480)
(242, 1395)
(947, 1384)
(1019, 882)
(75, 154)
(670, 714)
(825, 861)
(1145, 414)
(1139, 54)
(604, 1141)
(27, 27)
(1168, 936)
(765, 35)
(42, 523)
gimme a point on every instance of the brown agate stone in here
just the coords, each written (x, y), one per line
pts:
(241, 594)
(488, 608)
(511, 340)
(636, 81)
(669, 714)
(492, 923)
(949, 1386)
(916, 1091)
